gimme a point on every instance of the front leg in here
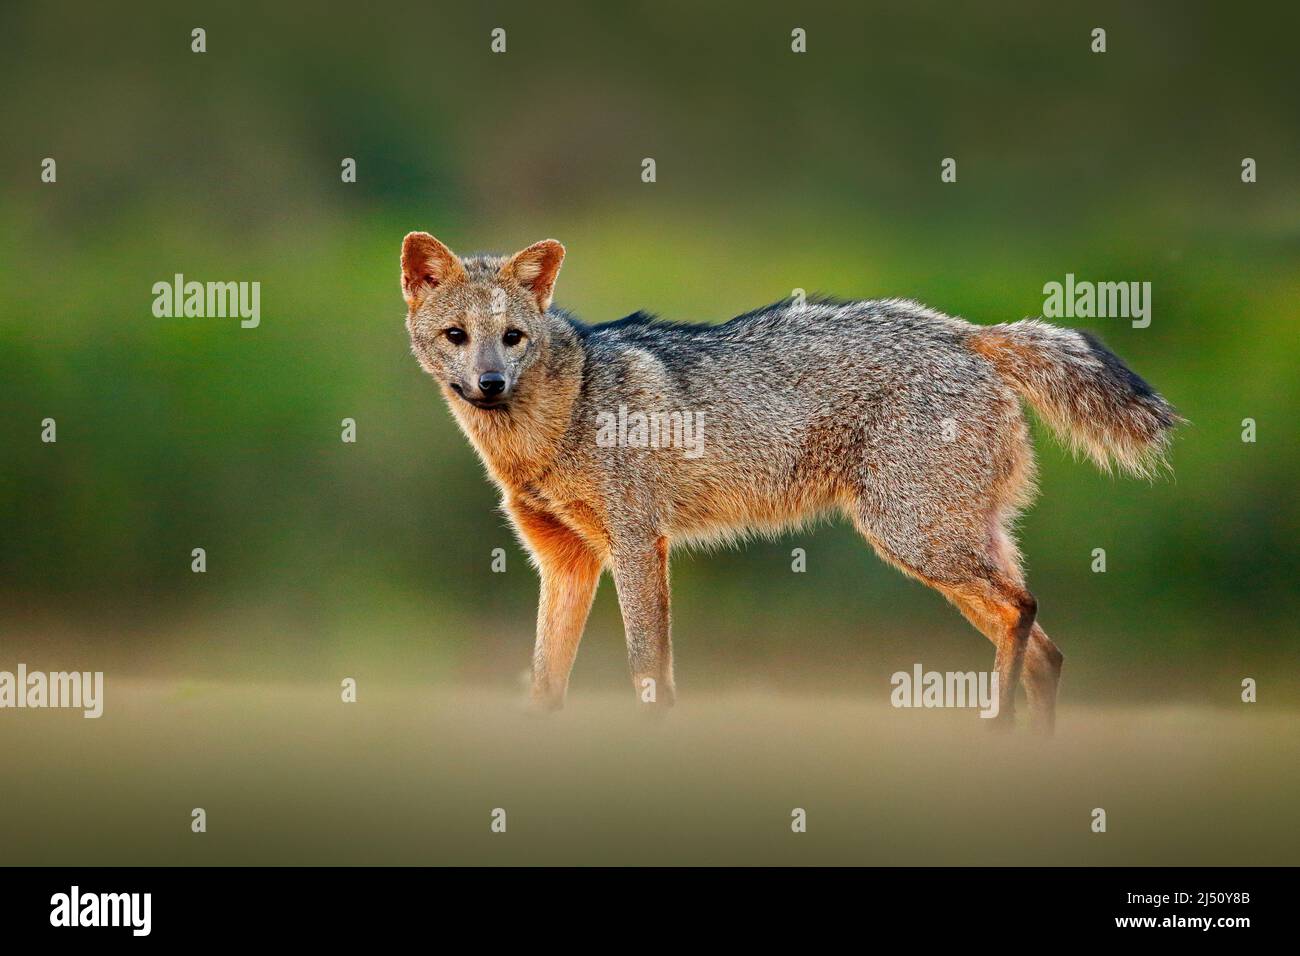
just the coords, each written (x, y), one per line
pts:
(641, 577)
(569, 572)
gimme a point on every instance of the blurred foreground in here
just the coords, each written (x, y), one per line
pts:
(288, 774)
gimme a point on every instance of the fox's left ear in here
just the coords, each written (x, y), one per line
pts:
(536, 269)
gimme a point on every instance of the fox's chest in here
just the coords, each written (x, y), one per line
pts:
(578, 510)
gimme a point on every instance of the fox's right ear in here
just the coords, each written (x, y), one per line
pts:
(426, 264)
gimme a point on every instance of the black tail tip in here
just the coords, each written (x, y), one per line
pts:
(1132, 382)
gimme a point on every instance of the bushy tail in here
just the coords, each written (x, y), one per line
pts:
(1084, 391)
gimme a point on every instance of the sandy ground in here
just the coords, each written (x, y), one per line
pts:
(288, 774)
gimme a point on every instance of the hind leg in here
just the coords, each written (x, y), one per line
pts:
(1003, 611)
(1040, 669)
(937, 504)
(971, 561)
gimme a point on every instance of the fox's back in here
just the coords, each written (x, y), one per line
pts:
(800, 406)
(858, 347)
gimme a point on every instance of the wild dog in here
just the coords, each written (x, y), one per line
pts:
(904, 419)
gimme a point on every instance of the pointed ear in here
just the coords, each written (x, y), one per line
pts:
(426, 264)
(536, 269)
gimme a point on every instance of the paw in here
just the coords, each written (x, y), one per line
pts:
(543, 703)
(1003, 723)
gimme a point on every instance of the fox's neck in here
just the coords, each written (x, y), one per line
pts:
(519, 445)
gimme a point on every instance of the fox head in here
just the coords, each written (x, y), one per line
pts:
(480, 325)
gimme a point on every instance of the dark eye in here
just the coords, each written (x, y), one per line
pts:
(456, 336)
(512, 337)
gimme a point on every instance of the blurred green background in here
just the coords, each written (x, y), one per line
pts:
(775, 171)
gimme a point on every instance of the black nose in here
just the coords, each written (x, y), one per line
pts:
(491, 383)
